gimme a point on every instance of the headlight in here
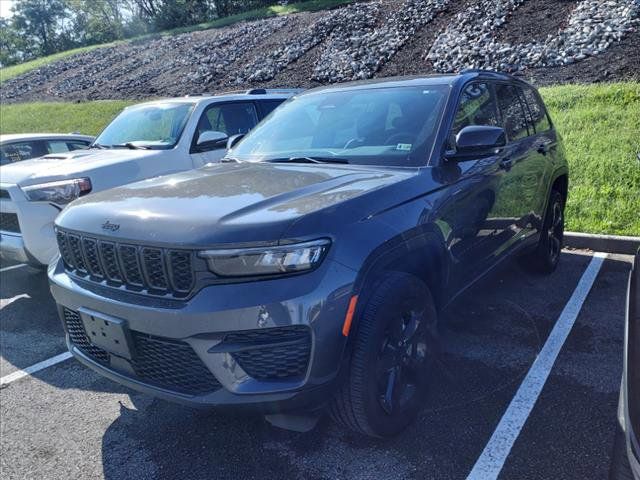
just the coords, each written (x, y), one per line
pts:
(61, 192)
(282, 259)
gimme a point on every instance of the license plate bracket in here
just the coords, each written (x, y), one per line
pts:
(109, 333)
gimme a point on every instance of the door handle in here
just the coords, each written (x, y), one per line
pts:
(506, 163)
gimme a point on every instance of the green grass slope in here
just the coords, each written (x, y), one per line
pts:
(259, 13)
(600, 125)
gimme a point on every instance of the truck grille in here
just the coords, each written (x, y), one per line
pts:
(156, 271)
(162, 362)
(9, 222)
(271, 354)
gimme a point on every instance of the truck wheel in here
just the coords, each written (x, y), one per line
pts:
(384, 388)
(546, 256)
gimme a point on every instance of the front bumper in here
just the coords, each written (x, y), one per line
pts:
(35, 243)
(231, 331)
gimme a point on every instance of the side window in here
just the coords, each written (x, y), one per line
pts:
(268, 106)
(77, 145)
(513, 114)
(230, 118)
(57, 146)
(477, 107)
(538, 112)
(15, 152)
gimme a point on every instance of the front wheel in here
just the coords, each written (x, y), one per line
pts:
(388, 372)
(546, 256)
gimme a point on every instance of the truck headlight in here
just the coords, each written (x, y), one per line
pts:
(282, 259)
(61, 192)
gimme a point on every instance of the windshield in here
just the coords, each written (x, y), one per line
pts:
(156, 126)
(377, 126)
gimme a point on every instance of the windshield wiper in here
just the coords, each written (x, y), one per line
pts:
(132, 146)
(308, 160)
(98, 146)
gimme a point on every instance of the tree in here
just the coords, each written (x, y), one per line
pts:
(42, 22)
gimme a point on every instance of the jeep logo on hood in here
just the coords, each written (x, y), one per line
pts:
(111, 227)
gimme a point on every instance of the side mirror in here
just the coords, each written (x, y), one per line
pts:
(479, 140)
(211, 139)
(234, 139)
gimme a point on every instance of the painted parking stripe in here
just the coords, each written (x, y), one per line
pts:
(12, 377)
(12, 267)
(496, 451)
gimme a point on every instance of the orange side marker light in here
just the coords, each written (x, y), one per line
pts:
(348, 319)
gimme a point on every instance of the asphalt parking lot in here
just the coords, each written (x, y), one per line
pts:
(65, 421)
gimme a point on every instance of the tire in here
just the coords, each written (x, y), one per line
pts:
(546, 256)
(369, 401)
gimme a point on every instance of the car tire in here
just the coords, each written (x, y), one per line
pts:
(383, 389)
(544, 259)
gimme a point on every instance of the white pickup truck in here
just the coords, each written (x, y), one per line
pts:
(143, 141)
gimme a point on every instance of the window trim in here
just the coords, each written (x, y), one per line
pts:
(193, 149)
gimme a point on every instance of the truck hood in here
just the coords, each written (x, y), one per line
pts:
(223, 204)
(74, 164)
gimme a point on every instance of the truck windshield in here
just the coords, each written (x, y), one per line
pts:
(155, 126)
(374, 126)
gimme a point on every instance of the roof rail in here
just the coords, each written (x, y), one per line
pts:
(264, 91)
(481, 70)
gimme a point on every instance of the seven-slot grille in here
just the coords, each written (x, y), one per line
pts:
(156, 271)
(9, 222)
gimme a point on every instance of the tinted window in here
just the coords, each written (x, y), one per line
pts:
(538, 113)
(268, 106)
(15, 152)
(77, 145)
(57, 146)
(513, 115)
(374, 126)
(230, 118)
(477, 107)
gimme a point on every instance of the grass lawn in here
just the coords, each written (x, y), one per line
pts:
(600, 125)
(264, 12)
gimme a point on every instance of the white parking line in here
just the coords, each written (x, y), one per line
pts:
(6, 269)
(12, 377)
(496, 451)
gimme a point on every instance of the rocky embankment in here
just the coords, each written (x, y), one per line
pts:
(547, 41)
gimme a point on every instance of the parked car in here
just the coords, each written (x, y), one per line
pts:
(626, 458)
(144, 141)
(308, 269)
(24, 146)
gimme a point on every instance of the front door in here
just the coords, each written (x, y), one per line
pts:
(230, 118)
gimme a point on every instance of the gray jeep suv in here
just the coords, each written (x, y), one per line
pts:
(308, 269)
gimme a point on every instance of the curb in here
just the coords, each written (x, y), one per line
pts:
(602, 243)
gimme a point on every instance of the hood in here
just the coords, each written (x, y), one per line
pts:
(58, 166)
(225, 203)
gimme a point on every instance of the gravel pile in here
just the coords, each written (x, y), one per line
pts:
(338, 24)
(470, 40)
(349, 43)
(358, 51)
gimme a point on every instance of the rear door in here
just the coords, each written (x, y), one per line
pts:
(518, 199)
(231, 118)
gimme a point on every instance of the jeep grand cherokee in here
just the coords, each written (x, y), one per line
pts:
(308, 269)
